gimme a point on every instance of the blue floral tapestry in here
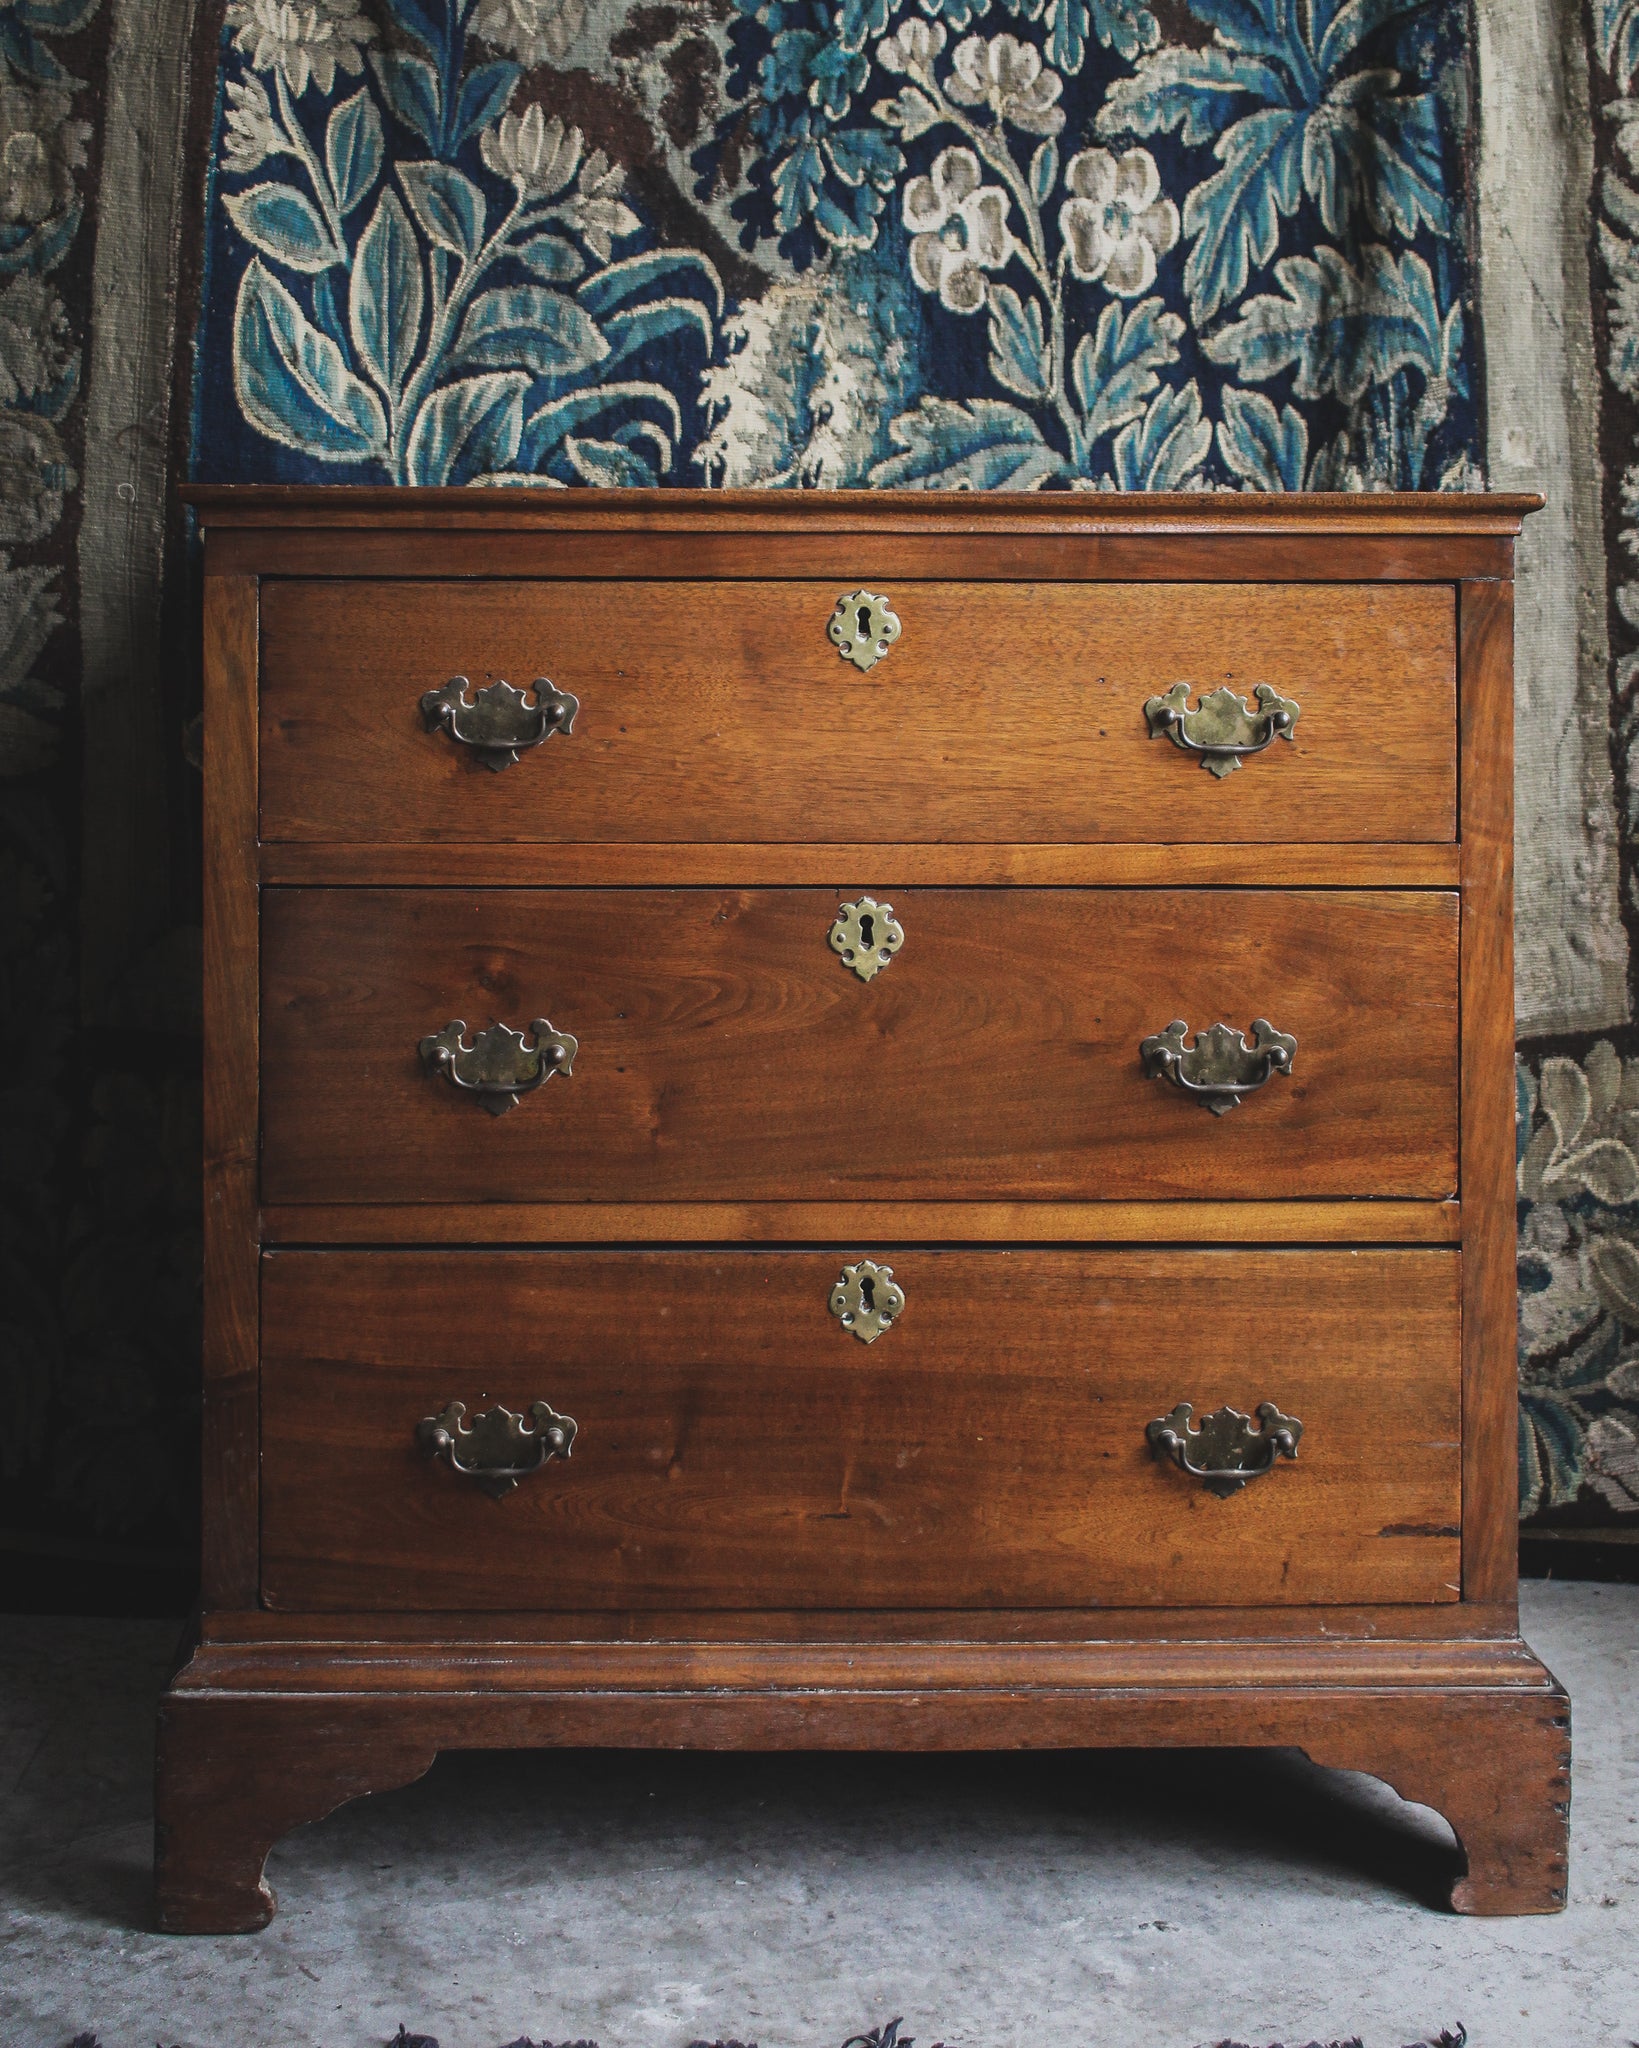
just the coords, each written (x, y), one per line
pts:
(895, 243)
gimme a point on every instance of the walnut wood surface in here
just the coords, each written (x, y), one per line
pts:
(952, 551)
(1490, 1288)
(1484, 1740)
(1002, 1041)
(1450, 1627)
(230, 1112)
(726, 1053)
(737, 1447)
(1011, 711)
(1441, 515)
(602, 863)
(475, 1223)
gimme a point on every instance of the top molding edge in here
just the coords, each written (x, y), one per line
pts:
(340, 506)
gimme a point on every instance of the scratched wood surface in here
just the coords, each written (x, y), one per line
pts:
(712, 711)
(738, 1448)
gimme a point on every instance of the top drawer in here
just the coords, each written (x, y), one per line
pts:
(1003, 713)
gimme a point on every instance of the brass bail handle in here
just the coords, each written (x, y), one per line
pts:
(498, 723)
(500, 1064)
(499, 1448)
(1224, 1451)
(1223, 730)
(1221, 1066)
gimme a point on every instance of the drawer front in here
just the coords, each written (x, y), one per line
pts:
(726, 1052)
(1003, 712)
(735, 1447)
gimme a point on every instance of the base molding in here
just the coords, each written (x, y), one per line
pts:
(255, 1739)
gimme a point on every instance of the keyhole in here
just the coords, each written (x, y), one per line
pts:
(867, 930)
(867, 1296)
(864, 627)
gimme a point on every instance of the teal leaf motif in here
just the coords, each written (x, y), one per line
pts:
(284, 224)
(411, 89)
(1234, 218)
(560, 417)
(611, 464)
(865, 155)
(982, 445)
(468, 429)
(484, 97)
(1163, 451)
(1114, 370)
(1286, 116)
(292, 381)
(1044, 172)
(635, 327)
(1268, 451)
(388, 297)
(354, 150)
(527, 324)
(1366, 148)
(1018, 344)
(619, 282)
(1344, 330)
(1196, 92)
(861, 21)
(552, 258)
(1616, 30)
(446, 203)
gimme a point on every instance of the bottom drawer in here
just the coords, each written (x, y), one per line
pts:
(737, 1447)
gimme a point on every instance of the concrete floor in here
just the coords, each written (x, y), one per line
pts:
(644, 1902)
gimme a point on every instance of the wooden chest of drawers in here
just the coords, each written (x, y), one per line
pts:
(857, 1121)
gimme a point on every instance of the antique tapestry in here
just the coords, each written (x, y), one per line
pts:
(883, 244)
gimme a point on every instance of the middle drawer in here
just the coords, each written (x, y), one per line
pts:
(725, 1050)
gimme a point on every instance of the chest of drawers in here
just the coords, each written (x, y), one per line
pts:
(849, 1122)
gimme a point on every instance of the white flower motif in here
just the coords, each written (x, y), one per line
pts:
(538, 155)
(253, 134)
(959, 230)
(1008, 77)
(1117, 224)
(40, 150)
(596, 210)
(534, 31)
(912, 47)
(308, 44)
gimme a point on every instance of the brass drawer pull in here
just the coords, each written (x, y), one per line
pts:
(1224, 729)
(498, 1450)
(1220, 1067)
(867, 935)
(499, 722)
(1227, 1451)
(863, 627)
(867, 1300)
(500, 1064)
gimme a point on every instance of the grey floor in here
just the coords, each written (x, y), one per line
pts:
(1071, 1902)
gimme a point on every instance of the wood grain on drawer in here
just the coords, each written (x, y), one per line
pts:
(727, 1054)
(1007, 712)
(736, 1448)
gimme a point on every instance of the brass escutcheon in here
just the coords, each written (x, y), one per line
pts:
(498, 1450)
(1224, 1451)
(867, 1300)
(1224, 729)
(863, 628)
(867, 935)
